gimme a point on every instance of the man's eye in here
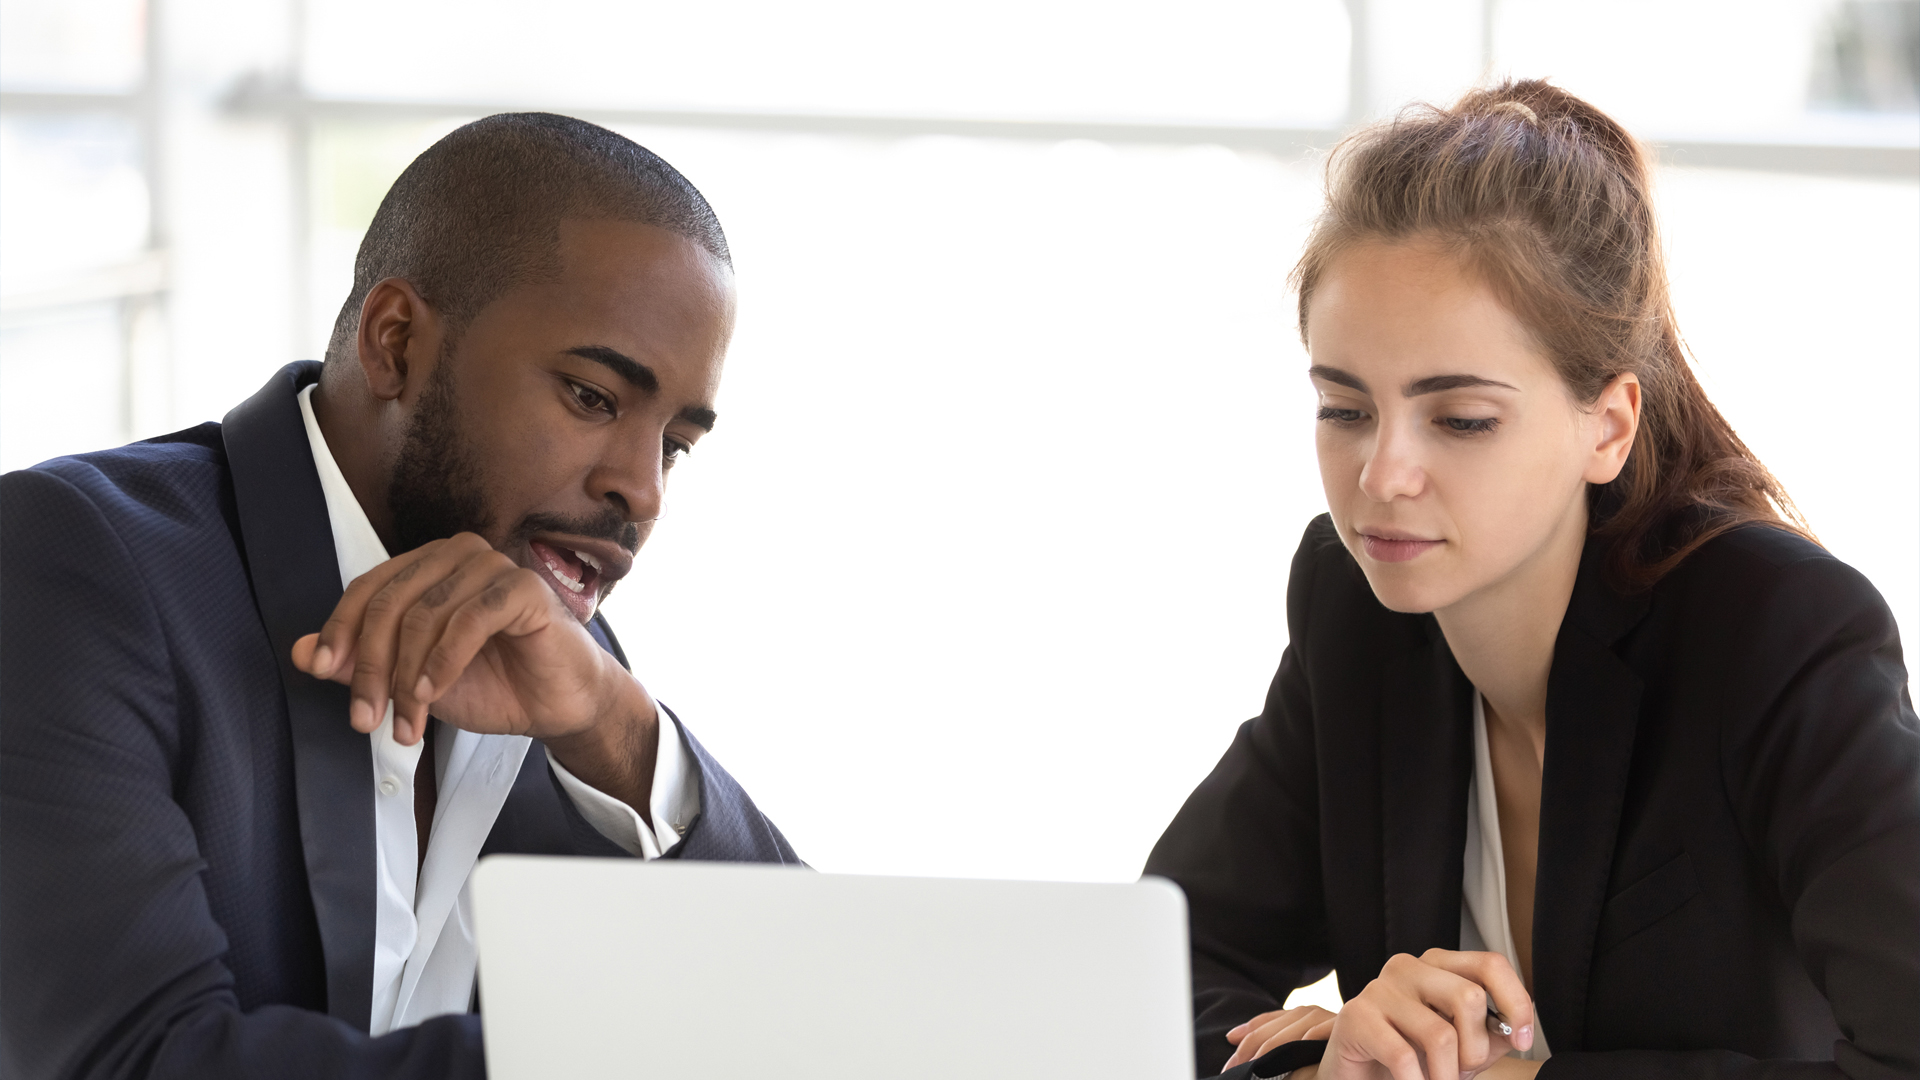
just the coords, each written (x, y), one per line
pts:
(590, 399)
(1463, 426)
(672, 451)
(1341, 416)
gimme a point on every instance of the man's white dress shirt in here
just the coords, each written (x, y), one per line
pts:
(423, 953)
(1484, 926)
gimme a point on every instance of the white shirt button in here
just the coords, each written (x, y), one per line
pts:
(388, 786)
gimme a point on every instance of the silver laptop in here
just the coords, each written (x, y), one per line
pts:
(603, 968)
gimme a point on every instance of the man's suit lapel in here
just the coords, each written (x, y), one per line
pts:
(288, 544)
(1426, 759)
(1593, 703)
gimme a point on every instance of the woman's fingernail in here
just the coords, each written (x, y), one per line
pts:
(361, 714)
(1524, 1037)
(423, 690)
(323, 660)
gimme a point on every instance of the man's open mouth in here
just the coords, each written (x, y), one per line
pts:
(577, 575)
(573, 569)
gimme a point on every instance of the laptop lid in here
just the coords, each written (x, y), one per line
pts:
(603, 968)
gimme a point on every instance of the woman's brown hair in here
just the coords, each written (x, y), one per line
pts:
(1547, 199)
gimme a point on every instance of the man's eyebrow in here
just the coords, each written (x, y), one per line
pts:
(643, 377)
(1335, 375)
(1433, 384)
(621, 364)
(699, 416)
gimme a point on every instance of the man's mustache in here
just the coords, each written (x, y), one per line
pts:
(609, 524)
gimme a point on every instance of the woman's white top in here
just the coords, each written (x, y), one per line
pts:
(1483, 914)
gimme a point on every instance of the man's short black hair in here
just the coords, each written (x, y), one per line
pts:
(479, 212)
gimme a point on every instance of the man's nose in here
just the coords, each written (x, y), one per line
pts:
(637, 482)
(1393, 469)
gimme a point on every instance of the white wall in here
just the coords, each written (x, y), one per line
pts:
(985, 559)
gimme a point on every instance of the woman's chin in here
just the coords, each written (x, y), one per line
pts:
(1406, 590)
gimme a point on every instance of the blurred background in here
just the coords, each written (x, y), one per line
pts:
(985, 561)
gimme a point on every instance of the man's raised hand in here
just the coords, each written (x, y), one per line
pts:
(456, 627)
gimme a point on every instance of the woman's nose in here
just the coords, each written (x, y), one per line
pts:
(1393, 469)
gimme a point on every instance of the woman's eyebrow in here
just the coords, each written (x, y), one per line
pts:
(1433, 384)
(1335, 375)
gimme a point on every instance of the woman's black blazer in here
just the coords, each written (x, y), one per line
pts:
(1729, 866)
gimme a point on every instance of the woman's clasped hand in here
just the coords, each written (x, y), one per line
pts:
(1424, 1018)
(1272, 1030)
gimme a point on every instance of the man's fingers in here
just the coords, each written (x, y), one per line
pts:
(313, 656)
(404, 635)
(371, 611)
(303, 656)
(380, 617)
(425, 622)
(515, 602)
(342, 628)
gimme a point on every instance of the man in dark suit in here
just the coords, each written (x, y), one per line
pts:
(270, 687)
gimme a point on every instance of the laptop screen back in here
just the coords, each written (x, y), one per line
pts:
(602, 968)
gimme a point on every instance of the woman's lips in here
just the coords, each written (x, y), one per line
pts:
(1381, 549)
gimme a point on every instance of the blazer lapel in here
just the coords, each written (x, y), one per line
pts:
(1426, 760)
(1593, 702)
(288, 545)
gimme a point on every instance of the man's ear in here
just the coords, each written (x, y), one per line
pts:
(399, 336)
(1616, 415)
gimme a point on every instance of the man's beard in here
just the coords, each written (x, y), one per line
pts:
(438, 488)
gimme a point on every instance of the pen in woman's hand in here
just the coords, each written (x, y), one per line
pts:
(1498, 1022)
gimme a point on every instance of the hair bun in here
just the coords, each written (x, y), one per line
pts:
(1550, 110)
(1517, 108)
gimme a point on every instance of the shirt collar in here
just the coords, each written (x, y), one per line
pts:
(355, 543)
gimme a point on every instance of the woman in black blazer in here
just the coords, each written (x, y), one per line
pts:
(1577, 724)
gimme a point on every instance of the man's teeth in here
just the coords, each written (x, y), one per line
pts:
(588, 559)
(559, 571)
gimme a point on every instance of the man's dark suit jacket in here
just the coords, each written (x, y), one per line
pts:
(186, 821)
(1729, 862)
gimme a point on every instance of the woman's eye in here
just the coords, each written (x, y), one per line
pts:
(1341, 416)
(1465, 426)
(590, 399)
